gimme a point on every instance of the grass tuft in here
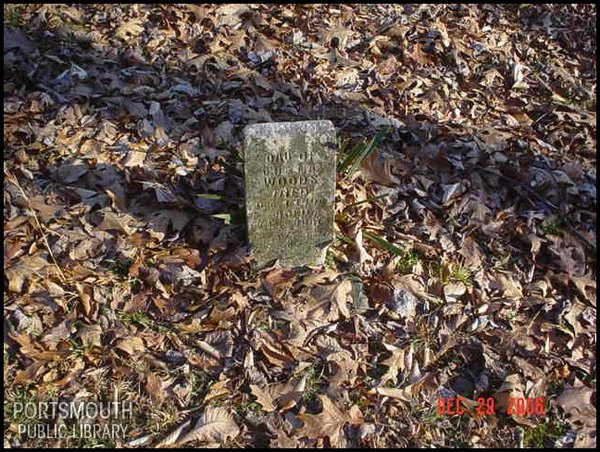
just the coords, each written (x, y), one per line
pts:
(407, 262)
(13, 15)
(543, 435)
(551, 226)
(314, 382)
(452, 272)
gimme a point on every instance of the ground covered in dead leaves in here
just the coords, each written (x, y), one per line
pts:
(464, 263)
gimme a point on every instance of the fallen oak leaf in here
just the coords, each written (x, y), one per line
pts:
(334, 298)
(25, 269)
(57, 335)
(263, 398)
(424, 383)
(276, 354)
(214, 426)
(586, 438)
(220, 342)
(315, 278)
(30, 373)
(329, 423)
(577, 403)
(395, 364)
(453, 291)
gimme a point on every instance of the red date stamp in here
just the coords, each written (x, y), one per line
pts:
(486, 406)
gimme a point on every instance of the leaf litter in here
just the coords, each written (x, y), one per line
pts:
(464, 259)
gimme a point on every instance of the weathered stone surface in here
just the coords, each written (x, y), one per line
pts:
(290, 188)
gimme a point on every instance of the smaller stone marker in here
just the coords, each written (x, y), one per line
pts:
(289, 171)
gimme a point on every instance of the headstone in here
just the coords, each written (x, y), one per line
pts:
(290, 188)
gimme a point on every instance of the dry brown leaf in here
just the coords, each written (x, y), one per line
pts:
(90, 335)
(154, 387)
(476, 170)
(129, 29)
(395, 364)
(25, 269)
(217, 390)
(215, 425)
(329, 423)
(171, 438)
(453, 291)
(263, 398)
(131, 345)
(134, 158)
(278, 279)
(512, 388)
(329, 301)
(113, 222)
(288, 394)
(363, 256)
(577, 403)
(395, 393)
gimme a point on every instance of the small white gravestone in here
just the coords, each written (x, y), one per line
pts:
(290, 188)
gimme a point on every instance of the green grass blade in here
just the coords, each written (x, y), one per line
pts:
(226, 217)
(342, 148)
(352, 155)
(345, 239)
(210, 196)
(372, 198)
(364, 153)
(383, 243)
